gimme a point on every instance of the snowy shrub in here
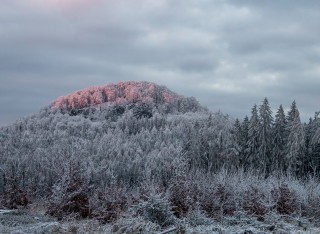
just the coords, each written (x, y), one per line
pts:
(285, 200)
(183, 195)
(15, 198)
(156, 209)
(306, 196)
(218, 201)
(272, 217)
(312, 210)
(134, 225)
(107, 205)
(197, 216)
(239, 217)
(253, 204)
(70, 195)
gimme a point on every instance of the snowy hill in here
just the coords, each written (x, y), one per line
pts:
(125, 93)
(139, 150)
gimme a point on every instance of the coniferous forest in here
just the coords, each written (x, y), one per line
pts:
(138, 150)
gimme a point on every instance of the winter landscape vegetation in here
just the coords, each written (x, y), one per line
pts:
(159, 116)
(135, 157)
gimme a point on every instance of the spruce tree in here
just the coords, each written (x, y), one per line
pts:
(238, 133)
(244, 140)
(296, 141)
(245, 130)
(313, 142)
(253, 145)
(290, 118)
(308, 132)
(279, 140)
(265, 133)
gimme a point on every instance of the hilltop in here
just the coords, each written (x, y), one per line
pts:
(124, 94)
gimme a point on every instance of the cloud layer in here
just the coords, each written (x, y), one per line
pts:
(228, 54)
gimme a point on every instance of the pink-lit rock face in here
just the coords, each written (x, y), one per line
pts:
(122, 93)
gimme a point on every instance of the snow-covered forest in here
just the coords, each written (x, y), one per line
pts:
(138, 149)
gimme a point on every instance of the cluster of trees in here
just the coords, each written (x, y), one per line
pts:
(124, 93)
(113, 146)
(98, 161)
(80, 158)
(278, 144)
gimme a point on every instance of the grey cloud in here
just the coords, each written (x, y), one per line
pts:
(228, 54)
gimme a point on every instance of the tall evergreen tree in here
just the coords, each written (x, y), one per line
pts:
(245, 130)
(238, 134)
(309, 133)
(244, 140)
(253, 145)
(237, 128)
(296, 141)
(279, 140)
(265, 133)
(291, 115)
(236, 148)
(313, 142)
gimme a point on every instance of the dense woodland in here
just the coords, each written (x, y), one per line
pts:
(110, 157)
(278, 144)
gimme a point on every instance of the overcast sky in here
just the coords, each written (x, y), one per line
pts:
(227, 54)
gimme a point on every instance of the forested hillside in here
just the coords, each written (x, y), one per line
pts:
(138, 148)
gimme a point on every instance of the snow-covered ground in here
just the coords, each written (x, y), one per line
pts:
(15, 221)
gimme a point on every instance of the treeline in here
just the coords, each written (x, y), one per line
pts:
(99, 163)
(103, 162)
(282, 143)
(121, 147)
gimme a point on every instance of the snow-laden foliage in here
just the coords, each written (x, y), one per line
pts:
(157, 209)
(282, 145)
(75, 154)
(100, 152)
(279, 140)
(70, 193)
(124, 93)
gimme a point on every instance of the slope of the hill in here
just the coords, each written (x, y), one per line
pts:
(135, 131)
(140, 150)
(141, 132)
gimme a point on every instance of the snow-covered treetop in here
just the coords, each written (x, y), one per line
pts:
(122, 93)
